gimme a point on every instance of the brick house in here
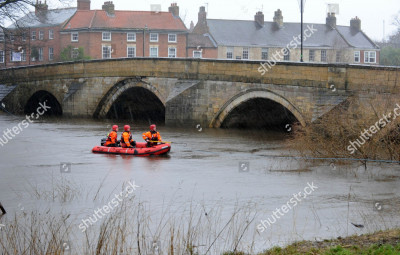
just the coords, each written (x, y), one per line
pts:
(278, 41)
(109, 33)
(34, 39)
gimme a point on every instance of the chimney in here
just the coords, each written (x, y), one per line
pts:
(201, 26)
(83, 5)
(40, 9)
(259, 19)
(331, 20)
(355, 24)
(191, 26)
(278, 18)
(174, 9)
(109, 8)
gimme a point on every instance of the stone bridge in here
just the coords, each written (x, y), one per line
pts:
(212, 93)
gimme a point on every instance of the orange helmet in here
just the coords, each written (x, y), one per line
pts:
(115, 128)
(127, 128)
(153, 127)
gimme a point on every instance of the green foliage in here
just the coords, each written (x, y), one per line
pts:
(390, 56)
(73, 54)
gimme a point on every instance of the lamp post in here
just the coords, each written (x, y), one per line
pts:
(301, 10)
(145, 28)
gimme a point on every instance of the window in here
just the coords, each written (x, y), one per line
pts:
(1, 37)
(229, 52)
(1, 56)
(171, 37)
(153, 51)
(106, 36)
(51, 53)
(41, 35)
(323, 55)
(23, 55)
(370, 57)
(153, 37)
(338, 56)
(51, 34)
(357, 57)
(15, 56)
(131, 37)
(172, 52)
(311, 55)
(75, 53)
(106, 52)
(264, 53)
(197, 54)
(131, 52)
(74, 37)
(33, 35)
(12, 37)
(23, 36)
(40, 54)
(245, 53)
(286, 54)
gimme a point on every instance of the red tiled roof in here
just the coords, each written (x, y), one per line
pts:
(125, 19)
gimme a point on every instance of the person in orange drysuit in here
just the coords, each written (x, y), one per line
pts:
(112, 138)
(126, 138)
(152, 135)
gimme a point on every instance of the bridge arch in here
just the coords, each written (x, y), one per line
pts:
(249, 95)
(44, 103)
(132, 97)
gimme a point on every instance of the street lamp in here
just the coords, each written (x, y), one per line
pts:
(301, 10)
(145, 28)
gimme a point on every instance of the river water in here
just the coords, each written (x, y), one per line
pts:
(211, 167)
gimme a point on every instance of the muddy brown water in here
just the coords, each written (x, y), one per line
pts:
(207, 166)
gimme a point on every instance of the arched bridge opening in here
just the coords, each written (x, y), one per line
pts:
(132, 100)
(139, 105)
(44, 104)
(258, 110)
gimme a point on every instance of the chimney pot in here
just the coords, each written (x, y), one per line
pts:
(259, 19)
(355, 24)
(331, 20)
(109, 8)
(174, 9)
(278, 18)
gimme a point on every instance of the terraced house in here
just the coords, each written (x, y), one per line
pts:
(279, 41)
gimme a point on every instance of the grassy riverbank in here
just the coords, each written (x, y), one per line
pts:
(382, 242)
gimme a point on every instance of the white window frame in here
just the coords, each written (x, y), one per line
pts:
(127, 51)
(367, 57)
(324, 57)
(357, 54)
(172, 55)
(286, 57)
(73, 35)
(245, 53)
(40, 50)
(1, 37)
(2, 56)
(130, 40)
(103, 52)
(229, 50)
(172, 41)
(12, 56)
(104, 36)
(41, 35)
(152, 39)
(51, 34)
(33, 35)
(51, 53)
(153, 47)
(266, 51)
(311, 55)
(199, 52)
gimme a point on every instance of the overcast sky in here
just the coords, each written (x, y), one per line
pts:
(372, 13)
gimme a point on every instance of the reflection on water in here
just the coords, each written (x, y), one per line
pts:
(202, 168)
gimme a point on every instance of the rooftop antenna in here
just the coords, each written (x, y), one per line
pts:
(383, 39)
(332, 8)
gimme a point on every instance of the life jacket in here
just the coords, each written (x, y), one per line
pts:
(153, 136)
(112, 138)
(129, 138)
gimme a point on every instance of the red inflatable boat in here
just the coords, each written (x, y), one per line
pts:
(141, 150)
